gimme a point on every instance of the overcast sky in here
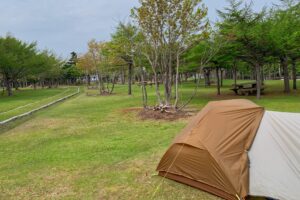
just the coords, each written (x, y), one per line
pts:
(67, 25)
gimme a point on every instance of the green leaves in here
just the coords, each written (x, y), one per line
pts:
(284, 30)
(124, 41)
(20, 60)
(15, 57)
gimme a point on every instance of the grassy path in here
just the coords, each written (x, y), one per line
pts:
(97, 148)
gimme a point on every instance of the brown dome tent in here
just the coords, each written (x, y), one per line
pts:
(211, 152)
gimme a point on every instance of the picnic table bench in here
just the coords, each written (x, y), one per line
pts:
(245, 89)
(145, 83)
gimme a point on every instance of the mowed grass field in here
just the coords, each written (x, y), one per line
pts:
(96, 147)
(25, 100)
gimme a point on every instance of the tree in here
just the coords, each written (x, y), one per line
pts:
(101, 59)
(111, 64)
(206, 55)
(85, 64)
(248, 31)
(44, 65)
(15, 59)
(169, 28)
(284, 34)
(70, 70)
(122, 46)
(94, 49)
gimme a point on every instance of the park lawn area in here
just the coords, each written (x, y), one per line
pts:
(25, 100)
(95, 147)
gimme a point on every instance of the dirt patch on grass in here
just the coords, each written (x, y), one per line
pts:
(169, 116)
(149, 114)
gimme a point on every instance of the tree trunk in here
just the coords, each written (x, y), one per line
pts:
(262, 76)
(16, 85)
(168, 83)
(157, 89)
(176, 82)
(144, 90)
(222, 77)
(113, 85)
(207, 77)
(88, 80)
(99, 81)
(279, 71)
(218, 80)
(166, 88)
(294, 70)
(185, 77)
(129, 78)
(234, 74)
(258, 81)
(8, 84)
(284, 65)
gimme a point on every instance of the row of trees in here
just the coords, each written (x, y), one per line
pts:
(259, 41)
(169, 39)
(165, 41)
(22, 64)
(151, 47)
(111, 60)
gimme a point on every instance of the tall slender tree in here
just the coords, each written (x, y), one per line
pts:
(123, 42)
(169, 28)
(247, 30)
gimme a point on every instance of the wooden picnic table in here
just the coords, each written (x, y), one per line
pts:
(245, 89)
(145, 83)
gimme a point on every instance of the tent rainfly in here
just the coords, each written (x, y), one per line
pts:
(234, 149)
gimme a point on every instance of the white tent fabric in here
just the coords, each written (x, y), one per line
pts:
(275, 157)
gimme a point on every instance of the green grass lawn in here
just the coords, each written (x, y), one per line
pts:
(95, 147)
(25, 100)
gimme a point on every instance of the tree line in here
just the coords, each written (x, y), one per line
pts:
(22, 64)
(261, 41)
(168, 42)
